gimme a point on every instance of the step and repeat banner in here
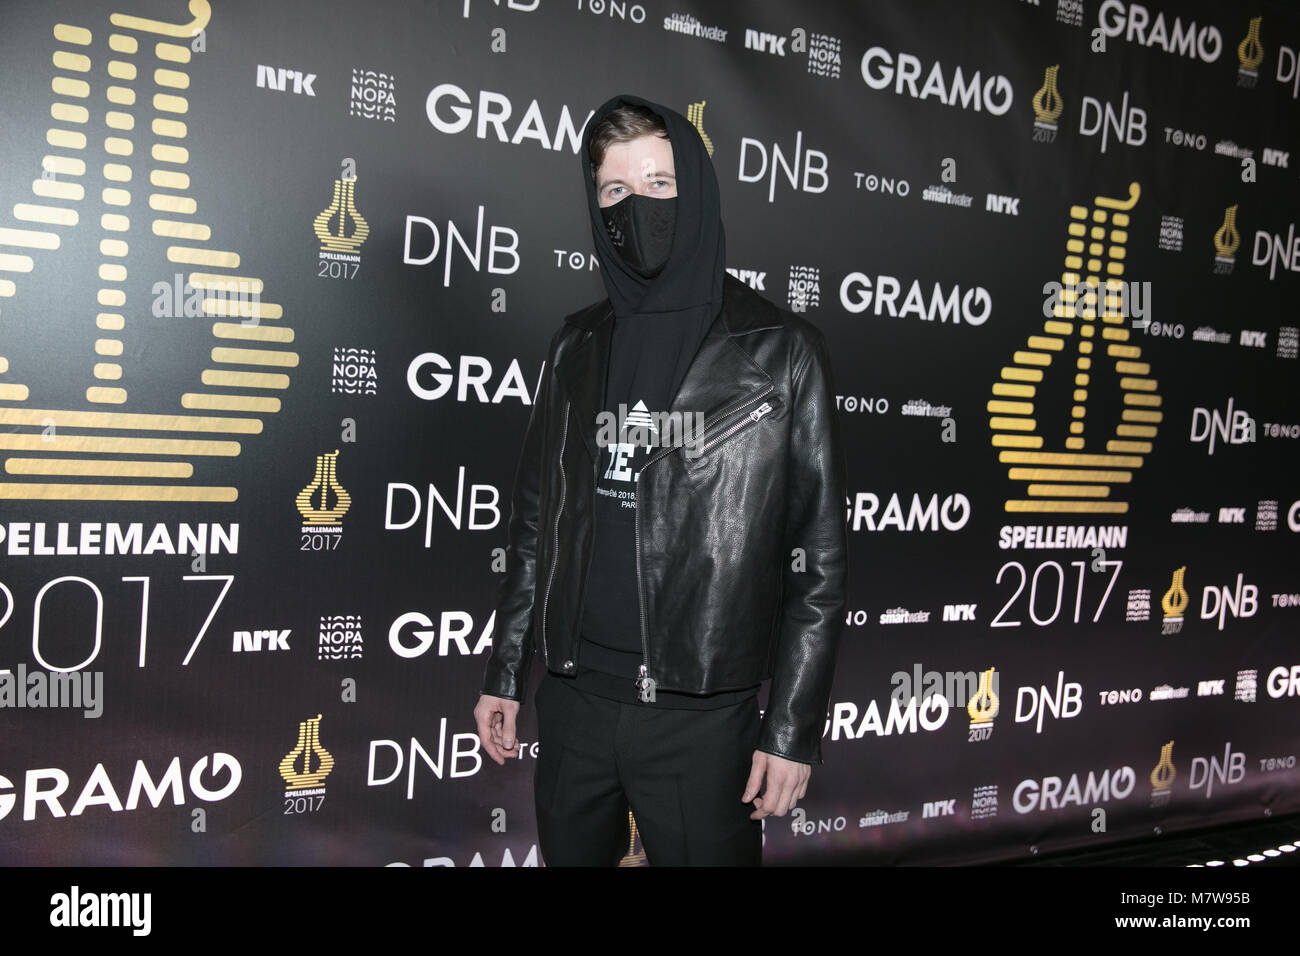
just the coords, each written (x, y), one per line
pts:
(276, 286)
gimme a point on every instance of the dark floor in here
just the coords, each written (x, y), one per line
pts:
(1226, 843)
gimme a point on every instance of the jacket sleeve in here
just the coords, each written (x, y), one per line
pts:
(506, 672)
(814, 598)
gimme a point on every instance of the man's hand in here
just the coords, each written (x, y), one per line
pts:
(495, 717)
(787, 782)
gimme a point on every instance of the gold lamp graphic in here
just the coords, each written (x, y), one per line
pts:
(983, 705)
(308, 751)
(1074, 479)
(1227, 238)
(120, 137)
(1047, 102)
(323, 487)
(635, 855)
(1250, 52)
(1162, 776)
(695, 113)
(1175, 600)
(331, 224)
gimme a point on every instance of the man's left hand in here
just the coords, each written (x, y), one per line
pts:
(787, 782)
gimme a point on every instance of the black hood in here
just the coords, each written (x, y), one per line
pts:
(676, 307)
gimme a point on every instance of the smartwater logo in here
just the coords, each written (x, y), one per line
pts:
(103, 909)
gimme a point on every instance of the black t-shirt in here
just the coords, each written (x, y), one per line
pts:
(641, 377)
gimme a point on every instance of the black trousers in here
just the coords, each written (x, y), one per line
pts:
(681, 772)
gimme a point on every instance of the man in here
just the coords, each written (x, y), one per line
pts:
(665, 577)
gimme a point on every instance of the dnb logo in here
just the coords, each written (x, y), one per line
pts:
(110, 391)
(1069, 464)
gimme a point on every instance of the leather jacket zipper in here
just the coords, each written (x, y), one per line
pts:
(555, 540)
(645, 684)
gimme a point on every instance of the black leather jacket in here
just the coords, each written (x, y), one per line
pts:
(741, 550)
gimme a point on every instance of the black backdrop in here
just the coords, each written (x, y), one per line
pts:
(232, 510)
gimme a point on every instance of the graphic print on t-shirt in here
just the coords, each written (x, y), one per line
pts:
(623, 459)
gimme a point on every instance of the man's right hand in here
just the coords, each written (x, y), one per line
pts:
(495, 717)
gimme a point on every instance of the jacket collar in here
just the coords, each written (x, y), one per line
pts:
(722, 374)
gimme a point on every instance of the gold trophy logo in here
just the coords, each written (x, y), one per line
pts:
(1226, 241)
(1090, 321)
(331, 224)
(129, 430)
(307, 751)
(1162, 776)
(635, 855)
(1048, 107)
(983, 705)
(1250, 54)
(1174, 603)
(324, 486)
(695, 113)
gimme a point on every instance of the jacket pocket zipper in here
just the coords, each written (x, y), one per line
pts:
(645, 684)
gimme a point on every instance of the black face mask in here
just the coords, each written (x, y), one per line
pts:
(641, 229)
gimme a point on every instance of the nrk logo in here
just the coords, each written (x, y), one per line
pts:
(284, 80)
(938, 808)
(1207, 770)
(46, 785)
(1049, 794)
(1035, 704)
(272, 640)
(431, 376)
(765, 42)
(453, 628)
(1210, 688)
(1232, 516)
(1162, 776)
(752, 278)
(1005, 205)
(959, 612)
